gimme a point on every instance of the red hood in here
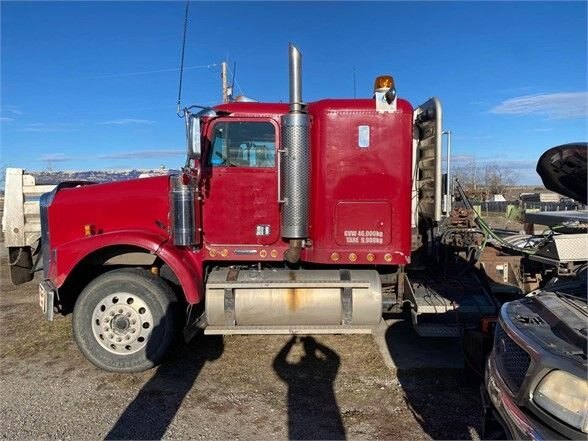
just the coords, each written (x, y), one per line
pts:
(141, 204)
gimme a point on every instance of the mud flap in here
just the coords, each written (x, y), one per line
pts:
(20, 260)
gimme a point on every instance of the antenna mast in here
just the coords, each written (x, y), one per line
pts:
(181, 114)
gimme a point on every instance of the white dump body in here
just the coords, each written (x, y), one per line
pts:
(21, 222)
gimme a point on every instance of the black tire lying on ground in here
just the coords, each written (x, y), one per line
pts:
(123, 321)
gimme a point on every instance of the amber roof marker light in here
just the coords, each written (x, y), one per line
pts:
(385, 84)
(385, 93)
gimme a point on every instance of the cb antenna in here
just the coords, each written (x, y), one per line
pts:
(182, 113)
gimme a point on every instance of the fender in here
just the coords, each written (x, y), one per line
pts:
(186, 264)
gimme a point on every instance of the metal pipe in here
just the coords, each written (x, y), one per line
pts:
(224, 82)
(295, 79)
(292, 254)
(438, 114)
(449, 182)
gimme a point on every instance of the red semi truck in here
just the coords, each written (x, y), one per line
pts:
(287, 218)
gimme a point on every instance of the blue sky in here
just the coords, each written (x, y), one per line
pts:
(93, 85)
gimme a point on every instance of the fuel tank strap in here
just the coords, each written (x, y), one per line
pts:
(229, 307)
(346, 299)
(232, 276)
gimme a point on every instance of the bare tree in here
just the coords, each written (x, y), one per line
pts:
(480, 182)
(496, 178)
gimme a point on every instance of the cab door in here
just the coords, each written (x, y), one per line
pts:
(241, 186)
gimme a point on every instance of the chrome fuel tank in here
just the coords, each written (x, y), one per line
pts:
(281, 297)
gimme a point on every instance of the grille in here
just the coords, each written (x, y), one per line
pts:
(512, 361)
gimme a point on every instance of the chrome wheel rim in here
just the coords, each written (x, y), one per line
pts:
(122, 323)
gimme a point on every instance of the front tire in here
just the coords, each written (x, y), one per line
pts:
(123, 321)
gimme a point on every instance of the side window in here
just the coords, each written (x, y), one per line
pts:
(243, 144)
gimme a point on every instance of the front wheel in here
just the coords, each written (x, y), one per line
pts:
(123, 321)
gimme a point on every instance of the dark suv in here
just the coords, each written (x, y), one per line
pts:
(535, 381)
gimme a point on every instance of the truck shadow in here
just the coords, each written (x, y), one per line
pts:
(313, 412)
(149, 415)
(442, 396)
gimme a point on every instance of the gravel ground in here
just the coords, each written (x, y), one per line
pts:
(236, 387)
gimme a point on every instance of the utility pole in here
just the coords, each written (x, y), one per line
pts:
(224, 82)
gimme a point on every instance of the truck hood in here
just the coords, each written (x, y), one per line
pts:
(135, 204)
(563, 170)
(555, 321)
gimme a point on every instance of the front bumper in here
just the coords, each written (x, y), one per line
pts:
(517, 423)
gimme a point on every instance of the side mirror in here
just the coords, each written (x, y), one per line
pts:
(193, 136)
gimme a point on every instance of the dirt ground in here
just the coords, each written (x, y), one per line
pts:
(236, 387)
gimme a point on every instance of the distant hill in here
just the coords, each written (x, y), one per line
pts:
(53, 177)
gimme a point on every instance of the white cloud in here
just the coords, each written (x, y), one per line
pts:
(142, 154)
(517, 164)
(147, 72)
(467, 137)
(127, 121)
(5, 119)
(13, 110)
(484, 161)
(553, 105)
(461, 158)
(56, 157)
(48, 127)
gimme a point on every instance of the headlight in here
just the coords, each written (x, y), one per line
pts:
(565, 396)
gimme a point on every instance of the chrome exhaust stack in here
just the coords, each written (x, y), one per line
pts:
(295, 163)
(295, 79)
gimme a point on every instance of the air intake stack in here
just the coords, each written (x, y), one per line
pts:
(295, 163)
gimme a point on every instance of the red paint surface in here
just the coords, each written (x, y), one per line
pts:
(342, 172)
(360, 223)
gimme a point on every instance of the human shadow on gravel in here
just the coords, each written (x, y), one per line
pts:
(439, 393)
(149, 415)
(313, 412)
